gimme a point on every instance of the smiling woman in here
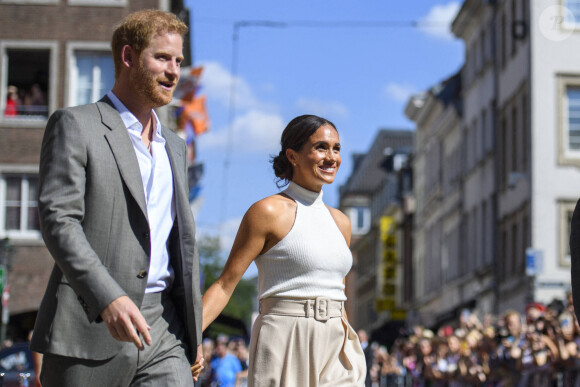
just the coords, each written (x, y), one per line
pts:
(318, 160)
(300, 247)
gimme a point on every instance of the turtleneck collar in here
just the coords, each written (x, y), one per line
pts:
(304, 196)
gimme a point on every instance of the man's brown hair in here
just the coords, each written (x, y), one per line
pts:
(138, 28)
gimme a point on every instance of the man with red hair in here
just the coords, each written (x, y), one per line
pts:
(123, 303)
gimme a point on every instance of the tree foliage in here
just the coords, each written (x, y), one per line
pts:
(241, 305)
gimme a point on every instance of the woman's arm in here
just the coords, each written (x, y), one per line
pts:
(263, 225)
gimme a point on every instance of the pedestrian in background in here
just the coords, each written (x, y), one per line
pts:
(224, 364)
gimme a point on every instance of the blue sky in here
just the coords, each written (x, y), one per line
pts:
(354, 63)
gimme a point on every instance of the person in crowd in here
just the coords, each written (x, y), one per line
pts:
(570, 302)
(123, 302)
(300, 247)
(35, 101)
(225, 365)
(368, 352)
(12, 102)
(206, 376)
(392, 372)
(451, 370)
(240, 349)
(427, 361)
(540, 349)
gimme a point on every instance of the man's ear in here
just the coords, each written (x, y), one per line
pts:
(128, 56)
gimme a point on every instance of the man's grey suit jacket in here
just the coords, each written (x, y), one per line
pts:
(94, 222)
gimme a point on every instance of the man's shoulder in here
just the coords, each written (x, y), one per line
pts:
(88, 109)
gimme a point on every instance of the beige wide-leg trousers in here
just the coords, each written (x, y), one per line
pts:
(304, 343)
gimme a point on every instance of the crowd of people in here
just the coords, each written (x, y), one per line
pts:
(25, 102)
(537, 348)
(225, 362)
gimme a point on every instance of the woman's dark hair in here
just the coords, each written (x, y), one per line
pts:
(294, 136)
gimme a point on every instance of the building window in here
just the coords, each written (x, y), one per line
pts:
(525, 132)
(19, 209)
(503, 149)
(98, 3)
(92, 77)
(569, 120)
(28, 1)
(565, 211)
(572, 101)
(27, 84)
(574, 7)
(92, 72)
(514, 139)
(484, 234)
(28, 80)
(360, 220)
(484, 146)
(483, 47)
(503, 40)
(514, 19)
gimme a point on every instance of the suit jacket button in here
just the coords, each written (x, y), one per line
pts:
(146, 235)
(142, 274)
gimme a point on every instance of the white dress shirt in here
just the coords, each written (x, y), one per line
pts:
(157, 180)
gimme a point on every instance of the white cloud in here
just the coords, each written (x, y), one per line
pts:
(268, 87)
(438, 21)
(216, 83)
(256, 124)
(258, 130)
(255, 130)
(399, 92)
(326, 109)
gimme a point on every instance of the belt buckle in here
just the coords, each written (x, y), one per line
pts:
(321, 308)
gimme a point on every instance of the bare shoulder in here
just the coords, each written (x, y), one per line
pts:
(342, 221)
(272, 206)
(271, 210)
(271, 217)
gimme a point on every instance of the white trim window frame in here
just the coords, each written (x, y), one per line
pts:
(572, 119)
(26, 201)
(565, 211)
(52, 47)
(360, 219)
(30, 2)
(568, 85)
(87, 49)
(574, 7)
(98, 3)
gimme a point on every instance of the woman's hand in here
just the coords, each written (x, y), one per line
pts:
(197, 368)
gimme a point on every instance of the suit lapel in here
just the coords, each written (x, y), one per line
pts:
(123, 151)
(176, 160)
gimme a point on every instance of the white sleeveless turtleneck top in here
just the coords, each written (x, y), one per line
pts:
(312, 259)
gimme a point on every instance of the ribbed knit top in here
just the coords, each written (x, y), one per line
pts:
(312, 259)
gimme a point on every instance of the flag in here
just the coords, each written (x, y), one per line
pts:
(195, 113)
(188, 84)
